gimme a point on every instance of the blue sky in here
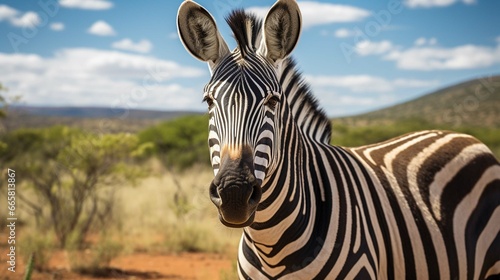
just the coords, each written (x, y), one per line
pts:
(357, 55)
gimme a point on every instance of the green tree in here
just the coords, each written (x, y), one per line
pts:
(72, 172)
(179, 143)
(3, 103)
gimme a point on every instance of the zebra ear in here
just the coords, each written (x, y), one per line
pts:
(198, 33)
(281, 30)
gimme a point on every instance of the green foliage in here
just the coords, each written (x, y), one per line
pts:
(35, 143)
(351, 136)
(179, 143)
(29, 268)
(69, 170)
(3, 103)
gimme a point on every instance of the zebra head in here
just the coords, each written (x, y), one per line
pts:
(244, 98)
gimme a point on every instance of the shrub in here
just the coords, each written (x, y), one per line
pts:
(179, 143)
(71, 172)
(192, 237)
(95, 258)
(39, 246)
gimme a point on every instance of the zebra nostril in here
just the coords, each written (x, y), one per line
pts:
(255, 192)
(254, 198)
(214, 195)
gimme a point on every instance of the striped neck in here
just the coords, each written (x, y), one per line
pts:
(290, 205)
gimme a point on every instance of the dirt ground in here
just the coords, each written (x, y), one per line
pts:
(136, 266)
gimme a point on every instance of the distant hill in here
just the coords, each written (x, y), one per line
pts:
(96, 112)
(472, 103)
(95, 119)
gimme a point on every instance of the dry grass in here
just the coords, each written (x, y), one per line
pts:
(154, 216)
(159, 216)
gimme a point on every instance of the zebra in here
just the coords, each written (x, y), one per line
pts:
(424, 205)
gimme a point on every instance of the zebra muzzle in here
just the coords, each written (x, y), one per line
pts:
(236, 193)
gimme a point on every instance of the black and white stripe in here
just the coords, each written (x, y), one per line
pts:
(425, 205)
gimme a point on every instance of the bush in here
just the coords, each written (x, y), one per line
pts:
(95, 258)
(179, 143)
(71, 172)
(193, 237)
(38, 245)
(3, 103)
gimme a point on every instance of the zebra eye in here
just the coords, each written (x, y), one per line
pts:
(272, 101)
(208, 100)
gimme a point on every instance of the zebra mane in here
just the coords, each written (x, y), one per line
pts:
(246, 30)
(309, 117)
(304, 106)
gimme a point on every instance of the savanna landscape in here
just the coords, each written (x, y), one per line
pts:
(126, 196)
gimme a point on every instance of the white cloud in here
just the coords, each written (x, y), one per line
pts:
(368, 83)
(83, 76)
(318, 13)
(424, 41)
(356, 100)
(367, 47)
(438, 58)
(7, 13)
(352, 94)
(356, 83)
(143, 46)
(101, 28)
(426, 55)
(57, 26)
(434, 3)
(344, 32)
(420, 41)
(86, 4)
(28, 19)
(15, 18)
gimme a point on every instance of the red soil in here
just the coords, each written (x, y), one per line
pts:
(134, 266)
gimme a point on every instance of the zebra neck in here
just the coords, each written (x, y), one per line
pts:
(286, 213)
